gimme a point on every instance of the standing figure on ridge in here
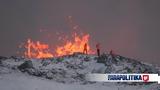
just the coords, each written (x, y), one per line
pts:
(98, 49)
(112, 54)
(85, 49)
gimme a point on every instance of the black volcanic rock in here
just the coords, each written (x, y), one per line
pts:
(102, 59)
(2, 58)
(26, 65)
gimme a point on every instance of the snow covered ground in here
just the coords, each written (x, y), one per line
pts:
(67, 73)
(19, 81)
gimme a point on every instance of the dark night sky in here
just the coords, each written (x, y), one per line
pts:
(129, 27)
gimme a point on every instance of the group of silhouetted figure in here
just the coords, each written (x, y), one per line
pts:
(85, 51)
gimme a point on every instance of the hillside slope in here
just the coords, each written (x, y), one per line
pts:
(71, 69)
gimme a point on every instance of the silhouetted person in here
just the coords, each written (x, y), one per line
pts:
(111, 53)
(85, 48)
(98, 49)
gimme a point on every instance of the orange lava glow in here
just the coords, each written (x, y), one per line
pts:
(77, 45)
(37, 50)
(41, 50)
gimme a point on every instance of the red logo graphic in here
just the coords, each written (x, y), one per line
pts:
(145, 78)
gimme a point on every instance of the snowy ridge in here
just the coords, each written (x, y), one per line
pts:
(71, 69)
